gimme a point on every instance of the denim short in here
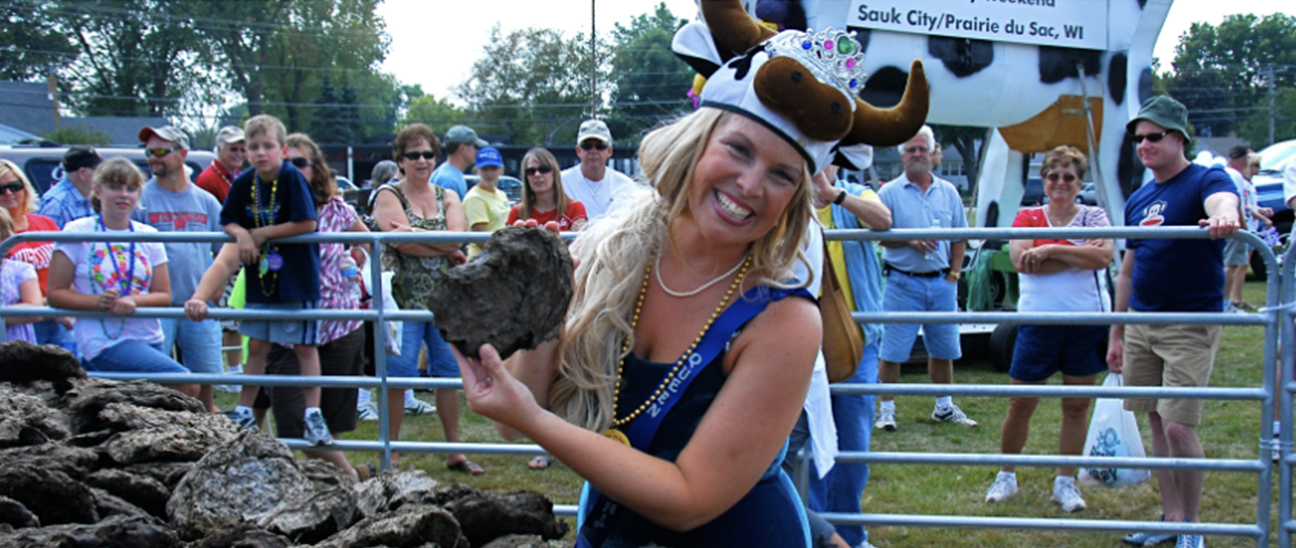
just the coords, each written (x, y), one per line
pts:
(905, 293)
(281, 332)
(441, 361)
(199, 342)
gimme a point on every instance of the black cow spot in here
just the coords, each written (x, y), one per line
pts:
(885, 87)
(1057, 64)
(1129, 169)
(963, 57)
(1145, 85)
(1116, 77)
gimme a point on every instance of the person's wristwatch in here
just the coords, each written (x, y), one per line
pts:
(840, 198)
(955, 273)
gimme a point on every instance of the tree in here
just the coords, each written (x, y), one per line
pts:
(968, 141)
(77, 135)
(31, 42)
(129, 65)
(1222, 73)
(651, 84)
(437, 114)
(530, 83)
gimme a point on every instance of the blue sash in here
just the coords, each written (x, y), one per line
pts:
(643, 429)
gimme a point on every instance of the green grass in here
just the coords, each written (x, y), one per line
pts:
(1230, 432)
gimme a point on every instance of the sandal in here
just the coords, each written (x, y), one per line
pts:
(540, 462)
(466, 466)
(366, 471)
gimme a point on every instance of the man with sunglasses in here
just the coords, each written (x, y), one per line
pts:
(231, 151)
(170, 203)
(69, 200)
(1159, 275)
(921, 276)
(461, 146)
(592, 182)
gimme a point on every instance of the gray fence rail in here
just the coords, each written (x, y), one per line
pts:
(1277, 316)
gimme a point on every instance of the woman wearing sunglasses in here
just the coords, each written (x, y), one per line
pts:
(18, 198)
(416, 205)
(1057, 275)
(543, 198)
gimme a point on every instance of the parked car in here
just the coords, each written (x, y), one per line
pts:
(510, 185)
(1269, 192)
(1088, 194)
(44, 165)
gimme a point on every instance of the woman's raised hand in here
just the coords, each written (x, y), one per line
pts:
(492, 391)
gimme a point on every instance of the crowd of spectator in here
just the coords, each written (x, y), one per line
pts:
(288, 189)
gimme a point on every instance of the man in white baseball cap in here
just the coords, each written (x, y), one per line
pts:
(592, 182)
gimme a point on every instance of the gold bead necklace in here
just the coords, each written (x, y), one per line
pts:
(634, 321)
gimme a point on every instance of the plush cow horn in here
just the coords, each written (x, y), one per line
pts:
(892, 126)
(732, 26)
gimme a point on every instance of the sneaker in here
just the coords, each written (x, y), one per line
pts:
(1149, 539)
(952, 414)
(1068, 495)
(317, 430)
(245, 419)
(1191, 541)
(1004, 487)
(367, 412)
(418, 407)
(885, 420)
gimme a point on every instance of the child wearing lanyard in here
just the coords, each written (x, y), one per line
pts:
(115, 277)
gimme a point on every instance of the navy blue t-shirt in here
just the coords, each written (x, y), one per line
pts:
(1177, 275)
(299, 279)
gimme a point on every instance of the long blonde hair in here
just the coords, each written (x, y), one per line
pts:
(614, 256)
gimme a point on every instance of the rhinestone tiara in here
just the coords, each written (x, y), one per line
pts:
(833, 56)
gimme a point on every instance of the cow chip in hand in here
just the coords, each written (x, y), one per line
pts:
(514, 295)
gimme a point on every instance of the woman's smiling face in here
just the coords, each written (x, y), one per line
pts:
(744, 181)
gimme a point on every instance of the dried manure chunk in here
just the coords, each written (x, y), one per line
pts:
(145, 492)
(52, 496)
(486, 515)
(25, 362)
(132, 531)
(513, 296)
(89, 396)
(26, 419)
(14, 514)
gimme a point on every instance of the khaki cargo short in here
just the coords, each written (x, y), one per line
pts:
(1177, 356)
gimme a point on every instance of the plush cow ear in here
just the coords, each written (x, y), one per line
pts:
(732, 26)
(893, 126)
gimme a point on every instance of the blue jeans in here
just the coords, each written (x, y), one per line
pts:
(841, 489)
(441, 361)
(133, 356)
(200, 343)
(905, 293)
(50, 332)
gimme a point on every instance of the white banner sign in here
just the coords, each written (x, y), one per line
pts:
(1061, 23)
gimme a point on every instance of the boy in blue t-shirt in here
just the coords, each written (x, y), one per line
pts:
(271, 201)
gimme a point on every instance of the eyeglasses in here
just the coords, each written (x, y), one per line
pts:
(159, 152)
(1068, 177)
(1151, 137)
(593, 144)
(538, 169)
(14, 187)
(915, 150)
(414, 156)
(301, 162)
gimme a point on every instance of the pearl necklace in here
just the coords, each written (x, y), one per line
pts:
(625, 349)
(682, 294)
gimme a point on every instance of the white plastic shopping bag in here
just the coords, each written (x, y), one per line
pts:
(394, 328)
(1113, 432)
